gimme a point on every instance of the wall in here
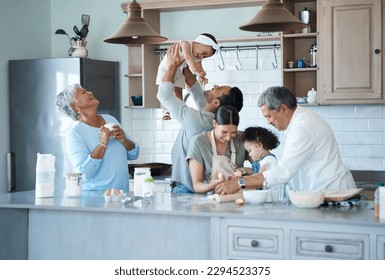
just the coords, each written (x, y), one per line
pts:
(25, 28)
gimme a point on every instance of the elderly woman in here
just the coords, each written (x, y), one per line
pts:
(217, 152)
(97, 150)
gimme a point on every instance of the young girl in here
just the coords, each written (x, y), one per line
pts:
(258, 142)
(205, 45)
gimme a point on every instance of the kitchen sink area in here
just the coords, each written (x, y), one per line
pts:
(368, 181)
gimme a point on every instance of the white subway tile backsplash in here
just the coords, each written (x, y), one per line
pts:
(376, 124)
(343, 112)
(351, 163)
(369, 138)
(369, 112)
(354, 151)
(356, 125)
(347, 138)
(336, 124)
(369, 164)
(359, 129)
(377, 151)
(323, 111)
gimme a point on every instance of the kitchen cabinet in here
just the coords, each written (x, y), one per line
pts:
(290, 239)
(249, 241)
(328, 245)
(350, 52)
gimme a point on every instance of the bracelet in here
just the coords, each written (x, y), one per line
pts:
(101, 144)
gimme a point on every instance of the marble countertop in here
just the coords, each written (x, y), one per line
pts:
(193, 205)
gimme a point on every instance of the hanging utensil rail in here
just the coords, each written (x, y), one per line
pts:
(234, 48)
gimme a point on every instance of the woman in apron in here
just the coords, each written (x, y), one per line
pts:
(214, 155)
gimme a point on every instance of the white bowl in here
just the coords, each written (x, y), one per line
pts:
(306, 199)
(255, 196)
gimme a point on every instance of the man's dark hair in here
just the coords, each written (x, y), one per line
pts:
(235, 98)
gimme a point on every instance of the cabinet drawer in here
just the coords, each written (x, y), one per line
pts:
(328, 245)
(381, 247)
(251, 242)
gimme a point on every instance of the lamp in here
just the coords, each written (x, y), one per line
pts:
(272, 17)
(134, 29)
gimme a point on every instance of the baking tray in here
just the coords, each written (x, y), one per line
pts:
(342, 195)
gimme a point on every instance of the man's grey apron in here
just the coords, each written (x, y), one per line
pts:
(222, 164)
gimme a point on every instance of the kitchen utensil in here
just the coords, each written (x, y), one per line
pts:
(290, 64)
(85, 19)
(305, 17)
(157, 169)
(76, 30)
(255, 196)
(300, 63)
(225, 197)
(312, 96)
(141, 173)
(310, 58)
(306, 199)
(73, 185)
(84, 31)
(137, 100)
(341, 195)
(110, 126)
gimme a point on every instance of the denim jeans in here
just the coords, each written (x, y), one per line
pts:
(180, 188)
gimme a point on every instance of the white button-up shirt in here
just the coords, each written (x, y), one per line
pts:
(311, 159)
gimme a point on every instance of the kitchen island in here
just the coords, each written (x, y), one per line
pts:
(182, 227)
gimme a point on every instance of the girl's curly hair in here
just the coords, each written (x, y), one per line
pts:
(261, 135)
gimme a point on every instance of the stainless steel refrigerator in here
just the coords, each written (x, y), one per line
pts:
(36, 126)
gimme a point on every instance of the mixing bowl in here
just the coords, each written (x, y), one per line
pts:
(306, 199)
(255, 196)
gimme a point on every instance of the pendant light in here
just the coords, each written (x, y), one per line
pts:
(134, 29)
(273, 17)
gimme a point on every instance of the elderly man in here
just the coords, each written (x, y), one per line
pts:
(311, 158)
(192, 121)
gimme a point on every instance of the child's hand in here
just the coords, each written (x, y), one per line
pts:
(242, 171)
(203, 80)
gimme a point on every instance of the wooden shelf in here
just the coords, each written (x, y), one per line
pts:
(312, 69)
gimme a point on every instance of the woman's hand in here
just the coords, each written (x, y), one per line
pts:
(104, 135)
(215, 180)
(229, 186)
(118, 134)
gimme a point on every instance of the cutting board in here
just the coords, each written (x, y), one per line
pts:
(342, 195)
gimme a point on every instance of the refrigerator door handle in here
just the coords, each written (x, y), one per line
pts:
(10, 172)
